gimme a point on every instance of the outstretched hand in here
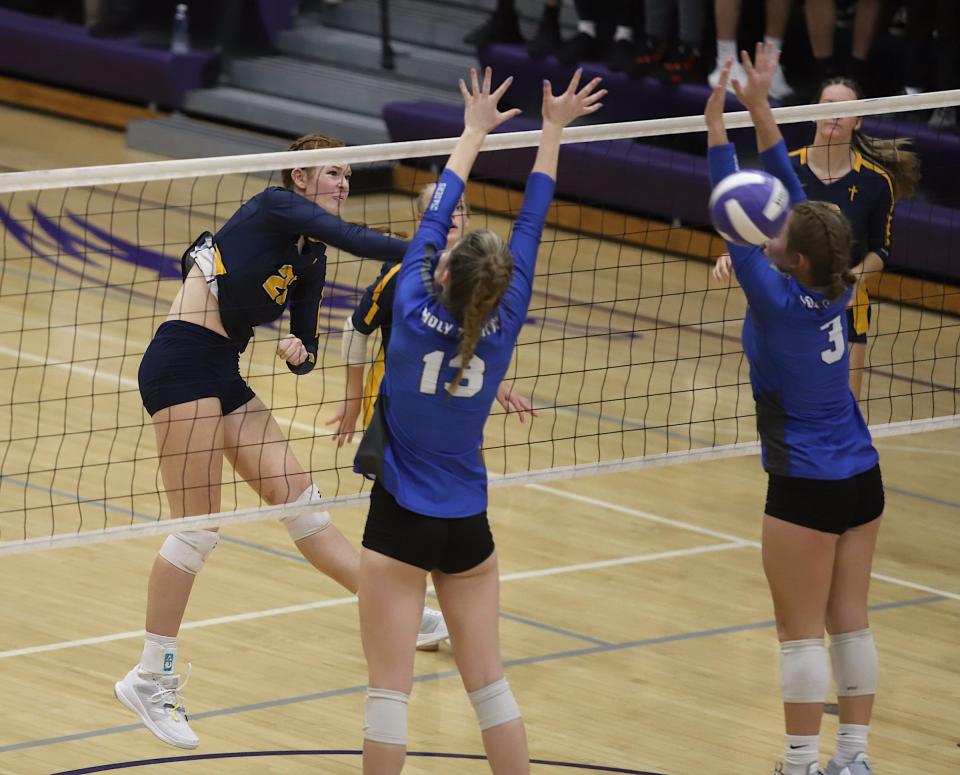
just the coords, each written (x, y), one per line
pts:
(754, 92)
(572, 104)
(713, 114)
(480, 112)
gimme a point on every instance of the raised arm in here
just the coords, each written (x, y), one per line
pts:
(480, 117)
(754, 96)
(298, 215)
(558, 112)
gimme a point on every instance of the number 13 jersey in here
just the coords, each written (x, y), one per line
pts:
(432, 462)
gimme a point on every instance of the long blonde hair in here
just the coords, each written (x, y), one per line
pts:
(480, 269)
(821, 232)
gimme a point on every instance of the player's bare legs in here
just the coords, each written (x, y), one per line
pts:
(391, 599)
(261, 456)
(847, 606)
(190, 448)
(471, 605)
(798, 563)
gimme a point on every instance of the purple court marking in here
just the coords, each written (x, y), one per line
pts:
(336, 752)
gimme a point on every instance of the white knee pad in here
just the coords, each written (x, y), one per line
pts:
(385, 716)
(494, 704)
(306, 523)
(854, 658)
(804, 671)
(188, 550)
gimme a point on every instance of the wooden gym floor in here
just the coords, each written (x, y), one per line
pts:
(636, 621)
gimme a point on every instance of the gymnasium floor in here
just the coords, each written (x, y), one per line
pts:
(636, 621)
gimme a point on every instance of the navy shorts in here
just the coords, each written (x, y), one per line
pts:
(449, 545)
(858, 322)
(185, 362)
(827, 505)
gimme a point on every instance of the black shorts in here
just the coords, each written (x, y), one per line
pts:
(827, 505)
(450, 545)
(858, 322)
(185, 362)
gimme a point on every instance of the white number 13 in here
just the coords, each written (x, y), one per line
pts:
(470, 383)
(834, 331)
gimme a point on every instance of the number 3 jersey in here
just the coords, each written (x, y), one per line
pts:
(795, 341)
(432, 461)
(261, 269)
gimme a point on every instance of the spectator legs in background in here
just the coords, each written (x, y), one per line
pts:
(503, 26)
(948, 69)
(547, 39)
(821, 24)
(864, 29)
(777, 14)
(585, 44)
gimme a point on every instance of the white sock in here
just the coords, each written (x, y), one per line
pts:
(726, 49)
(851, 740)
(799, 752)
(159, 655)
(777, 43)
(588, 27)
(623, 33)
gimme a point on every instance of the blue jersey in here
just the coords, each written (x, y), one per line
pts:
(263, 268)
(795, 341)
(432, 461)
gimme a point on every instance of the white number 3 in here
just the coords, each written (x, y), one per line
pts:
(834, 331)
(470, 382)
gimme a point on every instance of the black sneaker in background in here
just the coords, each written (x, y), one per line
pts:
(580, 48)
(547, 39)
(682, 65)
(622, 57)
(499, 28)
(649, 58)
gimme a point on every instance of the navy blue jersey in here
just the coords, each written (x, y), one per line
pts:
(261, 267)
(795, 340)
(864, 195)
(432, 462)
(374, 311)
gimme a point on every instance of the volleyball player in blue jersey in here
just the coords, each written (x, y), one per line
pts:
(375, 311)
(456, 318)
(268, 257)
(825, 494)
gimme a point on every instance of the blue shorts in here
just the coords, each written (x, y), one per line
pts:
(185, 362)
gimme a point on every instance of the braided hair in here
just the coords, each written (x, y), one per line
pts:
(821, 232)
(309, 143)
(480, 269)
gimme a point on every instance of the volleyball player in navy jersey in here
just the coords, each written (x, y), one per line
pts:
(825, 494)
(456, 318)
(269, 256)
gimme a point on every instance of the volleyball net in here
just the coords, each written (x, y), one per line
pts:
(630, 353)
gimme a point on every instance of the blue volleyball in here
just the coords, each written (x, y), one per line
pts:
(749, 207)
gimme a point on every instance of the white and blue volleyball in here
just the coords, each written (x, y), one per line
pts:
(749, 207)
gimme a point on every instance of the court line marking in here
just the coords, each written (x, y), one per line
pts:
(302, 607)
(356, 689)
(727, 536)
(927, 450)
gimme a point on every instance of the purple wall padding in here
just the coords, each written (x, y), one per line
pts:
(276, 15)
(667, 184)
(638, 99)
(65, 55)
